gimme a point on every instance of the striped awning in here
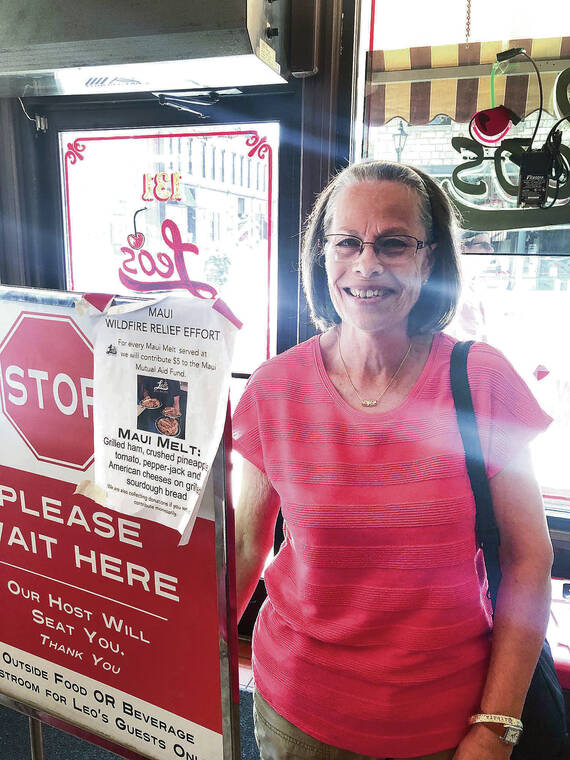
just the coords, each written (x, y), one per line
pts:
(417, 84)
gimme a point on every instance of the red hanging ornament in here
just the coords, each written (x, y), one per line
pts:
(492, 124)
(136, 241)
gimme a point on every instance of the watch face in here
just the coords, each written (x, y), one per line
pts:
(511, 735)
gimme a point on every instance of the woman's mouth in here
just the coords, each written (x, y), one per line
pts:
(369, 292)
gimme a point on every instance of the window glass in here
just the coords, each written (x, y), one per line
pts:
(424, 26)
(516, 275)
(128, 192)
(516, 293)
(520, 304)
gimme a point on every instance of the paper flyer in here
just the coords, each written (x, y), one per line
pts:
(161, 381)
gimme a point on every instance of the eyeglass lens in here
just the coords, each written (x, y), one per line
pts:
(387, 246)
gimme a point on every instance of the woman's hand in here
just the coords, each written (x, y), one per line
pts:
(481, 743)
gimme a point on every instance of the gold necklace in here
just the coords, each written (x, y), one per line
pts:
(372, 402)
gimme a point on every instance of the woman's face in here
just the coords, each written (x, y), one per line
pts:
(367, 210)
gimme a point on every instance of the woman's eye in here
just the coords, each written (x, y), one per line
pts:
(391, 246)
(393, 243)
(349, 242)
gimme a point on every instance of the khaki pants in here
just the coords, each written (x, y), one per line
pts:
(278, 739)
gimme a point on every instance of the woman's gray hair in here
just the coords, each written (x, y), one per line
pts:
(437, 302)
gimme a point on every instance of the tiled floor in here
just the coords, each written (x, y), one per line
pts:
(245, 672)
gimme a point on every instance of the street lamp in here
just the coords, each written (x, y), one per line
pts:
(400, 138)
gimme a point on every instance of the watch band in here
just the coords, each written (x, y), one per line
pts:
(512, 726)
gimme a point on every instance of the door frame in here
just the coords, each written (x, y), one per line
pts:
(40, 262)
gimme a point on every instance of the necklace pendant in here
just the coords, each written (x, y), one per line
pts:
(369, 403)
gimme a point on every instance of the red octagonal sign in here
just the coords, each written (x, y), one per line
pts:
(46, 376)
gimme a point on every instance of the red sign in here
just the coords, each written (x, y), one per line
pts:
(46, 388)
(109, 627)
(110, 598)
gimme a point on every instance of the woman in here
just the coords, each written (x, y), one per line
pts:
(375, 639)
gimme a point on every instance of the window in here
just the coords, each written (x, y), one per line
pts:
(234, 256)
(424, 27)
(516, 292)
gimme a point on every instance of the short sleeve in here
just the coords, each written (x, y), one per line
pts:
(508, 415)
(246, 432)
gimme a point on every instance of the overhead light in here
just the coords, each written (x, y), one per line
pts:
(197, 73)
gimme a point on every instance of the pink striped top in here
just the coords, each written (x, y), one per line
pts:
(375, 635)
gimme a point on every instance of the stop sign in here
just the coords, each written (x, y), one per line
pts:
(46, 387)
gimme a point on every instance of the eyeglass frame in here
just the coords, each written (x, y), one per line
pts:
(420, 244)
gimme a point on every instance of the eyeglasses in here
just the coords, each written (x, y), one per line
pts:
(393, 248)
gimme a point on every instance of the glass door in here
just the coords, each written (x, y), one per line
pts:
(139, 183)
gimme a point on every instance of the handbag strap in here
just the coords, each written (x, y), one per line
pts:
(486, 531)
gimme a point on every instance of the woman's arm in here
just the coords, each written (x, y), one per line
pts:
(523, 603)
(256, 512)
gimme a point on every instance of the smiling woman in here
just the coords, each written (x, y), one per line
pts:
(409, 199)
(376, 637)
(374, 290)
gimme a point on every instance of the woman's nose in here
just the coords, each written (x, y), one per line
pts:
(367, 263)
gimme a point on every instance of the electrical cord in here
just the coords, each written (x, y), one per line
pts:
(507, 55)
(540, 102)
(27, 115)
(558, 123)
(559, 169)
(548, 161)
(471, 135)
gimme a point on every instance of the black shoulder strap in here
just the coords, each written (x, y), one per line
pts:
(485, 526)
